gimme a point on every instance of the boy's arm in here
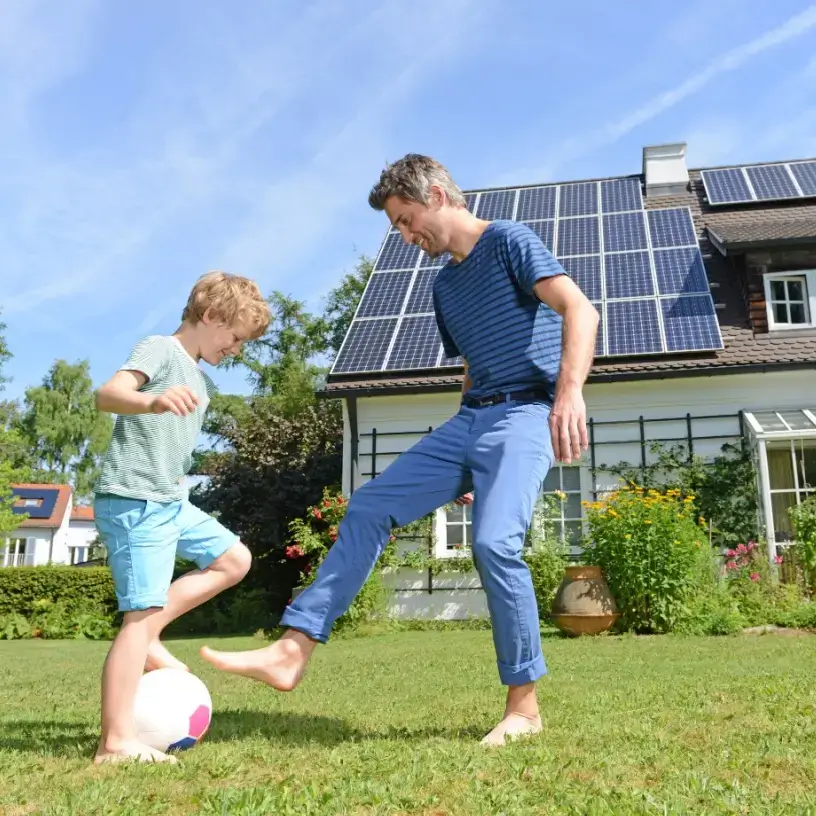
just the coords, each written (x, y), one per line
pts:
(121, 395)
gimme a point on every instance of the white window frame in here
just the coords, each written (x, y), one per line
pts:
(74, 551)
(441, 520)
(12, 555)
(808, 279)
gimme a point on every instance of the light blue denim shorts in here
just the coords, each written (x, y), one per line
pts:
(143, 539)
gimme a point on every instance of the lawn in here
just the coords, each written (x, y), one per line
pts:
(389, 724)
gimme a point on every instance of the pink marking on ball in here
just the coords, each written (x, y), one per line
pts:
(199, 721)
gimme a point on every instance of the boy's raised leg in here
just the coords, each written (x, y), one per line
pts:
(120, 679)
(189, 591)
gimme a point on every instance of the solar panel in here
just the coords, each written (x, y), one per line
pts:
(366, 345)
(805, 175)
(384, 294)
(691, 324)
(629, 261)
(599, 336)
(672, 227)
(578, 199)
(396, 254)
(628, 275)
(496, 205)
(760, 182)
(545, 230)
(680, 271)
(624, 232)
(535, 203)
(621, 195)
(417, 344)
(578, 236)
(633, 327)
(728, 186)
(421, 297)
(586, 272)
(47, 498)
(772, 182)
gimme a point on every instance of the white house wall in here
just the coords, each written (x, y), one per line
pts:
(720, 398)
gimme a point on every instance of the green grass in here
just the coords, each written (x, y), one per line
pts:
(390, 724)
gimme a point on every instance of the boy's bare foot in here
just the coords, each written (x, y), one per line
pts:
(280, 665)
(159, 658)
(512, 727)
(131, 751)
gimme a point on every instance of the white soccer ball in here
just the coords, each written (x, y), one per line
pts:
(173, 709)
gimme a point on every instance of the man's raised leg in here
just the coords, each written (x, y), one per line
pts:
(509, 462)
(429, 475)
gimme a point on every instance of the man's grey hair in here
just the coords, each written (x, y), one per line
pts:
(411, 178)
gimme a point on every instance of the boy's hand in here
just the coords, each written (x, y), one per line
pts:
(178, 399)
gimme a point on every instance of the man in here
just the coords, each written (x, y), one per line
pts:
(527, 335)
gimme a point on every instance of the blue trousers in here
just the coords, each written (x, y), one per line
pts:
(502, 453)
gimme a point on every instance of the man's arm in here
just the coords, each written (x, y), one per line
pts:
(121, 395)
(579, 328)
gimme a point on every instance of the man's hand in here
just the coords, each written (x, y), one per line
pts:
(466, 499)
(568, 425)
(178, 399)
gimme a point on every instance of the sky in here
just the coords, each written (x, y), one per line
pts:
(144, 144)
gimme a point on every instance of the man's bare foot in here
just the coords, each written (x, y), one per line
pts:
(512, 727)
(159, 658)
(280, 665)
(131, 751)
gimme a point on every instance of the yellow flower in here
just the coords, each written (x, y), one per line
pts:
(560, 494)
(647, 521)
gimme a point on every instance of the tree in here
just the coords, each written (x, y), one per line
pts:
(273, 469)
(5, 356)
(63, 428)
(341, 302)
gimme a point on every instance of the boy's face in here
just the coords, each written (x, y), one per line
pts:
(218, 341)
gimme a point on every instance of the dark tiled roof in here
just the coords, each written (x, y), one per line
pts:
(744, 349)
(771, 232)
(57, 515)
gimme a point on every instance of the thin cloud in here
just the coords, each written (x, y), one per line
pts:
(792, 28)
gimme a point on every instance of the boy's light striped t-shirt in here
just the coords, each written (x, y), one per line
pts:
(150, 454)
(487, 311)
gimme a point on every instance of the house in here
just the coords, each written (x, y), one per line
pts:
(705, 280)
(55, 531)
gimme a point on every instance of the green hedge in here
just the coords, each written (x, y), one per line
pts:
(76, 588)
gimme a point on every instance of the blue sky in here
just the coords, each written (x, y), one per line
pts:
(144, 144)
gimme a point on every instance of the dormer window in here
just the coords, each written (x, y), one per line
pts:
(788, 297)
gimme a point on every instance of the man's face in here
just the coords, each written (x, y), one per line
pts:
(419, 224)
(219, 341)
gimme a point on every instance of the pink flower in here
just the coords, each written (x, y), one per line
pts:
(731, 565)
(294, 551)
(752, 545)
(742, 549)
(730, 553)
(778, 559)
(754, 576)
(307, 569)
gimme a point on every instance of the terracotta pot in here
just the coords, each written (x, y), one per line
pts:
(583, 604)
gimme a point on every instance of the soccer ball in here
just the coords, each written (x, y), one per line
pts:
(173, 709)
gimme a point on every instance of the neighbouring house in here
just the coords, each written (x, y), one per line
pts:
(56, 531)
(706, 284)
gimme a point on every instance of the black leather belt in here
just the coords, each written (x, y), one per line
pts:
(512, 396)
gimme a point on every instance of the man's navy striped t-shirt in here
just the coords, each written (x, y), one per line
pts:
(487, 311)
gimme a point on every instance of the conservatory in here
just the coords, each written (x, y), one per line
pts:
(783, 445)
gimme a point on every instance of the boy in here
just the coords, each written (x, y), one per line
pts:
(141, 508)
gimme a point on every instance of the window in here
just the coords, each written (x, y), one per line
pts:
(78, 554)
(790, 299)
(32, 502)
(566, 479)
(454, 523)
(15, 552)
(792, 478)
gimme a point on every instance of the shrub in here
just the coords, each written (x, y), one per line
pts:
(310, 541)
(653, 554)
(803, 517)
(546, 556)
(55, 621)
(74, 589)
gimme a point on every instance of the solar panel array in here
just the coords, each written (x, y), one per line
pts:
(46, 496)
(763, 182)
(642, 269)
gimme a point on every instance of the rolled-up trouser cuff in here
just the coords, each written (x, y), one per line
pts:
(523, 673)
(293, 619)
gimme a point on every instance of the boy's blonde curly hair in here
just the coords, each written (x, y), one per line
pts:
(231, 299)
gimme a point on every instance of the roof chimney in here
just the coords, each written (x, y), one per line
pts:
(664, 168)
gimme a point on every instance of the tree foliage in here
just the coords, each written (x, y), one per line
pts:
(62, 427)
(342, 301)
